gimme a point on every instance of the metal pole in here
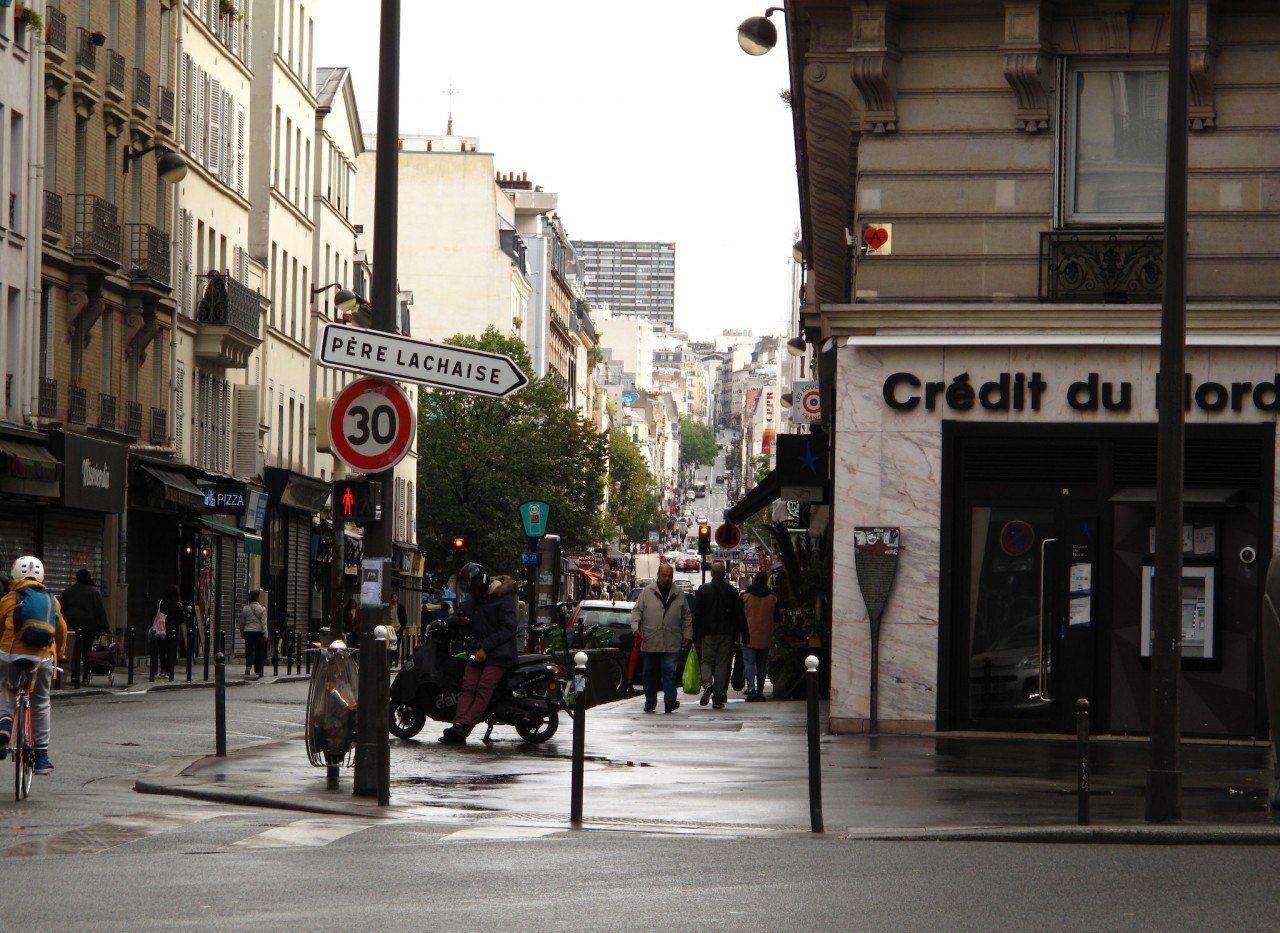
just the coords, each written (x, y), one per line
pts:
(384, 736)
(204, 631)
(1164, 779)
(78, 657)
(128, 638)
(815, 757)
(1082, 753)
(220, 705)
(579, 737)
(371, 718)
(191, 648)
(531, 596)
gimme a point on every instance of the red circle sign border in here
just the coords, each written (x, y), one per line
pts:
(732, 533)
(404, 434)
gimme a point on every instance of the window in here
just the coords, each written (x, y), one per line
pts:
(1115, 143)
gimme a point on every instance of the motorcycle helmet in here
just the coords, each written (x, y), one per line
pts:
(28, 568)
(472, 575)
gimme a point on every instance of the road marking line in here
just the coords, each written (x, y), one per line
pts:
(97, 837)
(490, 831)
(318, 831)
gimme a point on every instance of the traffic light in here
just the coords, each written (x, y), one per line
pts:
(459, 545)
(704, 539)
(357, 500)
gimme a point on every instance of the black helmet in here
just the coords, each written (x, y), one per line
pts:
(473, 574)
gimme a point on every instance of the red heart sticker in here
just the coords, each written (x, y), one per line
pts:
(875, 237)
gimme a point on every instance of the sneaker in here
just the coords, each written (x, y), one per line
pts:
(650, 709)
(673, 706)
(451, 736)
(43, 764)
(706, 697)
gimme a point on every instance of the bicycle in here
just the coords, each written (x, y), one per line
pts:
(21, 742)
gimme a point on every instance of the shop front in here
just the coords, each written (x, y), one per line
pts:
(82, 531)
(30, 477)
(1022, 484)
(291, 546)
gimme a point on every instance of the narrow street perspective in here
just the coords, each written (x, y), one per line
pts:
(537, 465)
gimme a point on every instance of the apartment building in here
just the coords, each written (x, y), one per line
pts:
(636, 279)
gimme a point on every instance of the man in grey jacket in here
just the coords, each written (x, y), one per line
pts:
(664, 624)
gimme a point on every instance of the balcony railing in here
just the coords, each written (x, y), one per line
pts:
(13, 210)
(106, 410)
(133, 419)
(53, 215)
(1103, 266)
(48, 397)
(148, 254)
(159, 426)
(115, 72)
(55, 35)
(165, 114)
(86, 50)
(227, 301)
(141, 89)
(77, 404)
(97, 229)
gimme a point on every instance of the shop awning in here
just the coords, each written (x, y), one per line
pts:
(29, 469)
(252, 542)
(178, 489)
(1208, 495)
(756, 499)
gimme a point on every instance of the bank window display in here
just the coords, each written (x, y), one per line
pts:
(1114, 143)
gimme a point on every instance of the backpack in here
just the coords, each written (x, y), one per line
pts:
(35, 617)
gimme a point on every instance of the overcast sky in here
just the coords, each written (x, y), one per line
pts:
(648, 120)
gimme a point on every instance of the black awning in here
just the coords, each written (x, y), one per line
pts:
(295, 491)
(759, 497)
(176, 487)
(1191, 495)
(29, 469)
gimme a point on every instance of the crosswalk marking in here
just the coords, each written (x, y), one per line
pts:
(492, 831)
(317, 831)
(98, 837)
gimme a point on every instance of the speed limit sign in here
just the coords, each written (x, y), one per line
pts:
(371, 425)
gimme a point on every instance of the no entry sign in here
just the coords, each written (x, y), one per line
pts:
(371, 425)
(728, 535)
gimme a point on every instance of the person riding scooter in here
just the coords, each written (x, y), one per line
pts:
(490, 620)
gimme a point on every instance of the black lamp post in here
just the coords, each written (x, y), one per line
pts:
(170, 165)
(344, 300)
(756, 35)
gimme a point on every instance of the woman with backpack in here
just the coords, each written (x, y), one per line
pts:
(33, 631)
(165, 628)
(253, 626)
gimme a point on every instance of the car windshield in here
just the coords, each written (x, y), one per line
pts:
(600, 615)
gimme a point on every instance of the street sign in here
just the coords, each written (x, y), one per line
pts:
(728, 535)
(371, 425)
(535, 514)
(806, 404)
(430, 364)
(630, 398)
(531, 558)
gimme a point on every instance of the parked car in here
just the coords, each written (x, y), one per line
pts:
(602, 623)
(690, 563)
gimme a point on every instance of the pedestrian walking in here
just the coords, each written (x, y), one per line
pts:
(253, 628)
(163, 633)
(760, 606)
(718, 625)
(662, 622)
(86, 615)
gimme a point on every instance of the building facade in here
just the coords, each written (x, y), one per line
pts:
(988, 351)
(636, 279)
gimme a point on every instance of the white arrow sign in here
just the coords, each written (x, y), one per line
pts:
(429, 364)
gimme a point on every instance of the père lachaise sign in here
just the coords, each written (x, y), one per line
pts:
(1027, 391)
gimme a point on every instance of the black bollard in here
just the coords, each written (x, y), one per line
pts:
(815, 757)
(579, 736)
(220, 705)
(1082, 752)
(128, 639)
(79, 653)
(383, 660)
(275, 655)
(205, 629)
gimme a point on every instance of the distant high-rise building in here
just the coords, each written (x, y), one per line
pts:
(635, 279)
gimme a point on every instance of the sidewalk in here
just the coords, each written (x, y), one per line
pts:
(142, 684)
(743, 771)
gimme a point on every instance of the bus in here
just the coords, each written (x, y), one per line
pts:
(699, 490)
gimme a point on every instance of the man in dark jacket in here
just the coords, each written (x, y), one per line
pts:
(86, 615)
(491, 621)
(718, 624)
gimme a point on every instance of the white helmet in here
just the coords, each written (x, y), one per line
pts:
(27, 568)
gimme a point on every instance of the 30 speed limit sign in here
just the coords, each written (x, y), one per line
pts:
(371, 425)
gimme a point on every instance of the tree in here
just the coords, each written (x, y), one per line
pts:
(479, 458)
(633, 502)
(697, 443)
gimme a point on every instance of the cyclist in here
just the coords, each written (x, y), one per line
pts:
(31, 629)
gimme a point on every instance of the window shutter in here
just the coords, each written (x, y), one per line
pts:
(182, 102)
(180, 278)
(198, 143)
(248, 34)
(240, 150)
(179, 410)
(189, 287)
(215, 129)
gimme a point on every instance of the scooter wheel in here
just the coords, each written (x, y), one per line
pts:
(406, 720)
(544, 730)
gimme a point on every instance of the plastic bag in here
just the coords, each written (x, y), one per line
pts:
(692, 673)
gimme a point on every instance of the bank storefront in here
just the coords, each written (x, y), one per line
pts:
(1022, 479)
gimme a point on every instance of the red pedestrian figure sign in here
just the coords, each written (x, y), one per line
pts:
(348, 501)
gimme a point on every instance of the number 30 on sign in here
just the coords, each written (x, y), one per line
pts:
(371, 425)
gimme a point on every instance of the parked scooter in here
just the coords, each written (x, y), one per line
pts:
(529, 696)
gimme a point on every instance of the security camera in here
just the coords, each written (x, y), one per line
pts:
(1248, 555)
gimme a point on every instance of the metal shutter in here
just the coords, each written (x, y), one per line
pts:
(17, 531)
(72, 540)
(227, 589)
(299, 557)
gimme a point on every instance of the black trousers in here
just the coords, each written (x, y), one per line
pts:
(162, 654)
(255, 652)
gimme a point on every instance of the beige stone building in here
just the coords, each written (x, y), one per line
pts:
(987, 349)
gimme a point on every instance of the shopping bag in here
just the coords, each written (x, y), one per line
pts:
(738, 676)
(692, 673)
(634, 659)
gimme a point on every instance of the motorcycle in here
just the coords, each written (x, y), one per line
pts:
(529, 697)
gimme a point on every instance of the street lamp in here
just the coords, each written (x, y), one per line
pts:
(170, 166)
(787, 399)
(756, 35)
(797, 251)
(796, 346)
(345, 300)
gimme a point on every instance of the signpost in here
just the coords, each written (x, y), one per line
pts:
(534, 515)
(371, 425)
(430, 364)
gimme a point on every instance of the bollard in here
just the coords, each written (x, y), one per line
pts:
(79, 654)
(306, 656)
(205, 631)
(815, 758)
(275, 655)
(579, 736)
(191, 654)
(220, 705)
(1082, 752)
(383, 658)
(128, 638)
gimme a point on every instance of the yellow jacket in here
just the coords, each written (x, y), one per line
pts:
(10, 646)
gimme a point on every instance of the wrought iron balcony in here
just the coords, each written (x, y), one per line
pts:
(97, 236)
(55, 34)
(165, 107)
(159, 426)
(141, 90)
(1104, 266)
(86, 51)
(48, 397)
(230, 321)
(13, 211)
(115, 73)
(148, 255)
(77, 404)
(133, 419)
(52, 216)
(106, 410)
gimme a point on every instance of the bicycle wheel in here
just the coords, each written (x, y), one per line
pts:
(22, 764)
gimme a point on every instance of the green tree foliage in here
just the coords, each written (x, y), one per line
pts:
(633, 503)
(697, 443)
(479, 458)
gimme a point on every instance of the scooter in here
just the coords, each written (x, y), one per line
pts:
(529, 697)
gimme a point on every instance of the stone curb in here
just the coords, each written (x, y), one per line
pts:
(1184, 835)
(250, 799)
(138, 689)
